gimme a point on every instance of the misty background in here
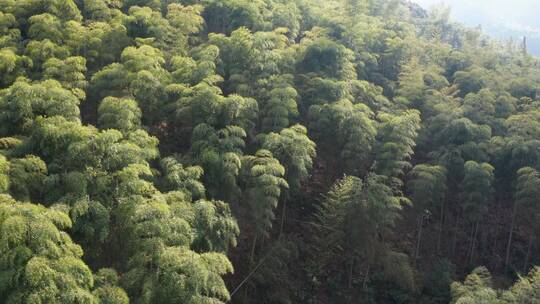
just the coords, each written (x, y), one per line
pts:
(502, 19)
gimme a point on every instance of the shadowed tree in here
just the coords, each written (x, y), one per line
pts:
(12, 65)
(26, 177)
(352, 224)
(476, 193)
(526, 209)
(471, 80)
(355, 129)
(427, 185)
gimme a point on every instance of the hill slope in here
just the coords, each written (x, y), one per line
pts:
(267, 151)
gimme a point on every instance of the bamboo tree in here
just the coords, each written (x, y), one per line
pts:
(264, 182)
(476, 189)
(525, 208)
(427, 185)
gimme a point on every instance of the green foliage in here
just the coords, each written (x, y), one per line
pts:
(52, 137)
(471, 80)
(478, 288)
(476, 189)
(26, 177)
(327, 59)
(526, 194)
(436, 283)
(12, 65)
(397, 135)
(177, 178)
(523, 87)
(240, 111)
(219, 152)
(317, 90)
(216, 229)
(91, 219)
(480, 108)
(398, 100)
(226, 16)
(525, 290)
(355, 130)
(4, 174)
(427, 185)
(9, 143)
(74, 147)
(23, 102)
(140, 75)
(294, 150)
(160, 239)
(412, 84)
(120, 114)
(264, 181)
(198, 104)
(106, 290)
(204, 103)
(185, 21)
(352, 223)
(458, 140)
(279, 107)
(11, 35)
(69, 72)
(274, 276)
(39, 261)
(199, 68)
(198, 275)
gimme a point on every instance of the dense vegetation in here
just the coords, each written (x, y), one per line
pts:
(264, 151)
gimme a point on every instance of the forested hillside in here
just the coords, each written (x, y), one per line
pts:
(264, 151)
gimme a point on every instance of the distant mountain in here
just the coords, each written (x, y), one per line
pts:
(505, 31)
(500, 19)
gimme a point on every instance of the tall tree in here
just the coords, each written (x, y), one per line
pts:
(279, 107)
(294, 150)
(219, 152)
(397, 138)
(162, 266)
(352, 224)
(264, 181)
(526, 207)
(476, 193)
(427, 185)
(356, 132)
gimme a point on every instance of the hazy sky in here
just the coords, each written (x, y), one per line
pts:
(520, 14)
(500, 18)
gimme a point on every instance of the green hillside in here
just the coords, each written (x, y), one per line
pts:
(264, 151)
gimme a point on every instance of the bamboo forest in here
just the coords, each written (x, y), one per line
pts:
(265, 152)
